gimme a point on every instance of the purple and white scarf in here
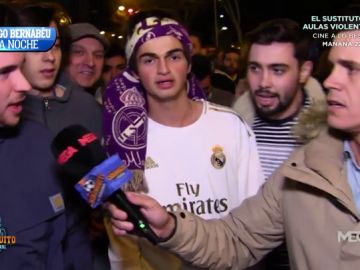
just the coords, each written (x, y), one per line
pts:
(125, 105)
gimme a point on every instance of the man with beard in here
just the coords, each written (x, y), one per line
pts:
(279, 65)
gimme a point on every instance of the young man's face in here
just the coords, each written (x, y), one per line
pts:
(86, 61)
(112, 67)
(343, 84)
(162, 68)
(41, 68)
(275, 79)
(13, 87)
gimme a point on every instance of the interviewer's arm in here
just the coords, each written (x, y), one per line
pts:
(234, 242)
(241, 239)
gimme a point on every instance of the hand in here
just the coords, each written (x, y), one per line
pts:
(162, 223)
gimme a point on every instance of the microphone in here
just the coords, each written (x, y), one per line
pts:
(95, 176)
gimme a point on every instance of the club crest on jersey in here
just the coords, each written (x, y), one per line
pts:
(218, 158)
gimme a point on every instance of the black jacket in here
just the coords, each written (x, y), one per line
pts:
(49, 234)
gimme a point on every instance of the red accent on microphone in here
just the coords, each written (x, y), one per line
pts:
(67, 154)
(87, 138)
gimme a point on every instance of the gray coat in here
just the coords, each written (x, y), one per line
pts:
(75, 107)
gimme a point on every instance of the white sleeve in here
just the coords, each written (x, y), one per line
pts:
(250, 173)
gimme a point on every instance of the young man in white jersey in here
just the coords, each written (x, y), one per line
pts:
(195, 155)
(313, 200)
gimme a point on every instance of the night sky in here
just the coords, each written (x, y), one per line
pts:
(252, 13)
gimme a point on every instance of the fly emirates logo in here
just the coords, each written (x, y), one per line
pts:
(192, 200)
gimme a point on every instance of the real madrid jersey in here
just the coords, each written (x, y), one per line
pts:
(206, 168)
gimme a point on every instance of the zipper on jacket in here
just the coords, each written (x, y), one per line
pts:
(46, 108)
(46, 103)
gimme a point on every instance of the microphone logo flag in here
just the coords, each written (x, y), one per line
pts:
(103, 180)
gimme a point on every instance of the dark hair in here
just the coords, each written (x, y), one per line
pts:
(282, 31)
(7, 16)
(196, 34)
(142, 15)
(201, 66)
(41, 14)
(231, 50)
(352, 9)
(115, 50)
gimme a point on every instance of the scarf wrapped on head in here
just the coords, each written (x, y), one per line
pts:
(125, 105)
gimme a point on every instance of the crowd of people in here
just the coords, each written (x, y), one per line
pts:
(240, 160)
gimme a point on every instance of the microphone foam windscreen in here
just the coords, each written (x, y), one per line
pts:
(77, 151)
